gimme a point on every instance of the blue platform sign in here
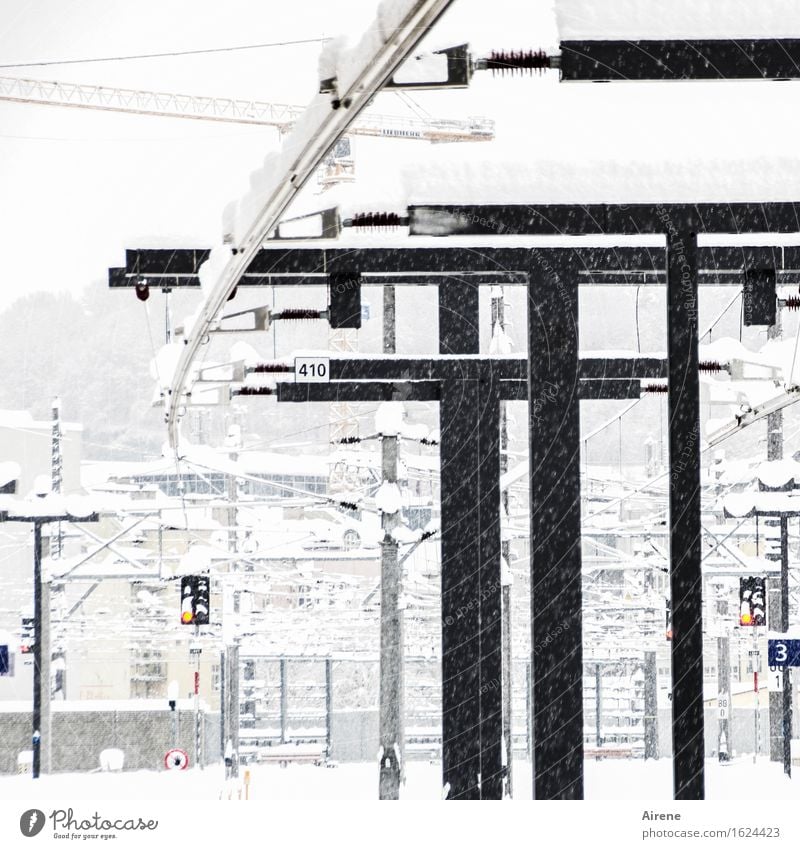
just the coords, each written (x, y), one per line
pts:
(4, 665)
(783, 653)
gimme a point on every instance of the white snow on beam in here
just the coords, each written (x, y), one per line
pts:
(656, 19)
(443, 179)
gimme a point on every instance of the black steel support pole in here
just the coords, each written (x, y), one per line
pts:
(459, 330)
(37, 648)
(684, 513)
(786, 674)
(554, 434)
(328, 706)
(461, 702)
(224, 660)
(490, 590)
(284, 700)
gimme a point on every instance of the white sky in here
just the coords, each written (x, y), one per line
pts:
(77, 187)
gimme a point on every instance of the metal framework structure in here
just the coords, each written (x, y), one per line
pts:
(469, 390)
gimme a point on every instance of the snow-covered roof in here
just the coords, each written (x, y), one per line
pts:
(654, 19)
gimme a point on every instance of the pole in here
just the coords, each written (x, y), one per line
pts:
(233, 706)
(755, 695)
(777, 719)
(598, 705)
(197, 746)
(529, 710)
(389, 320)
(56, 471)
(786, 695)
(391, 657)
(688, 742)
(223, 695)
(37, 648)
(498, 309)
(328, 706)
(46, 717)
(723, 680)
(284, 700)
(650, 706)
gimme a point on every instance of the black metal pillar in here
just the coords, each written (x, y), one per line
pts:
(328, 706)
(459, 329)
(37, 649)
(556, 624)
(684, 512)
(490, 590)
(284, 700)
(461, 698)
(786, 712)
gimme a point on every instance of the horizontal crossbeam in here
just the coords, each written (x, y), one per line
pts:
(723, 265)
(694, 59)
(375, 391)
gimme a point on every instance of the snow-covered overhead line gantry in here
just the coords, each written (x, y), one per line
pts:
(718, 265)
(231, 110)
(679, 40)
(360, 72)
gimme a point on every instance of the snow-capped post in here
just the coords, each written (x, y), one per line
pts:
(388, 422)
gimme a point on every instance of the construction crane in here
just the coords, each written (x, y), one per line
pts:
(231, 110)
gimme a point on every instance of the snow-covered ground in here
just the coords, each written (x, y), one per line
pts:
(624, 780)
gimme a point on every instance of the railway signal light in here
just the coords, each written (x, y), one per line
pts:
(26, 635)
(752, 602)
(668, 624)
(195, 600)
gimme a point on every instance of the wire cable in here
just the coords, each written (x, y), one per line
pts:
(169, 53)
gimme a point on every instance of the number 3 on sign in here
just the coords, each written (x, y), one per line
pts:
(312, 370)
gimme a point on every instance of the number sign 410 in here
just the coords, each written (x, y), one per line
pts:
(312, 370)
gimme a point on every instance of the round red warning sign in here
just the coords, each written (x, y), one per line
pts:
(176, 759)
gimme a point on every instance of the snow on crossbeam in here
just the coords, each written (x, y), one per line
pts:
(457, 180)
(678, 19)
